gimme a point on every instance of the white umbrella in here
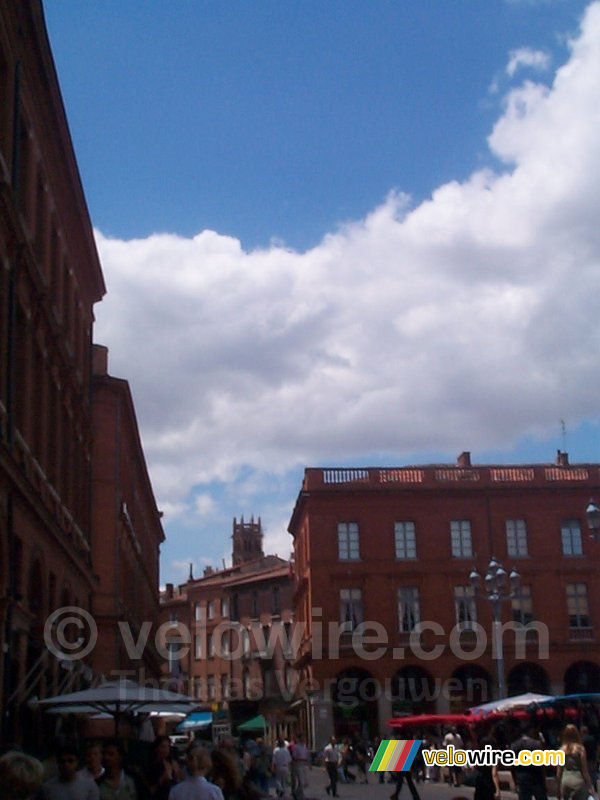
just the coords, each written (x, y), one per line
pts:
(119, 698)
(506, 704)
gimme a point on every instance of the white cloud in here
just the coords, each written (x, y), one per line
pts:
(205, 504)
(525, 57)
(469, 320)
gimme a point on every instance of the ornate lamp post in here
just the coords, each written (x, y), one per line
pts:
(592, 513)
(498, 586)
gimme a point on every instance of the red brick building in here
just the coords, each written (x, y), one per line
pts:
(231, 614)
(396, 546)
(56, 545)
(127, 530)
(50, 277)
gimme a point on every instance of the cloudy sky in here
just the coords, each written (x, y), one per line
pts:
(342, 233)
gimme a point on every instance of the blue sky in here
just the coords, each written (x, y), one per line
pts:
(338, 233)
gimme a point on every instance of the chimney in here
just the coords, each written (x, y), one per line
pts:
(464, 459)
(100, 359)
(169, 590)
(562, 459)
(191, 575)
(208, 571)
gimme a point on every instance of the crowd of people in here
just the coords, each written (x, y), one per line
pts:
(226, 772)
(204, 773)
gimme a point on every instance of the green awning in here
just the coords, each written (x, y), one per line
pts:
(258, 723)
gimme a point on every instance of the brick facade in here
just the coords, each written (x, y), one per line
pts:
(227, 613)
(396, 546)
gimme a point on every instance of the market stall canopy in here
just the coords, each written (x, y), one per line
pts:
(586, 697)
(258, 723)
(433, 719)
(195, 721)
(508, 704)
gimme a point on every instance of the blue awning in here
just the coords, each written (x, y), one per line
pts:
(195, 721)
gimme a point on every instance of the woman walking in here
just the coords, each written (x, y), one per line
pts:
(574, 775)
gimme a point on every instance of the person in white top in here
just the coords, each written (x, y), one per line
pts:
(454, 738)
(281, 767)
(68, 785)
(93, 762)
(195, 786)
(331, 755)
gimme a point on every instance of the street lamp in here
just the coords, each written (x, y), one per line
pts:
(592, 513)
(498, 586)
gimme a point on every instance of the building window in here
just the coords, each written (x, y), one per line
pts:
(464, 604)
(409, 613)
(351, 610)
(254, 601)
(224, 607)
(516, 537)
(276, 601)
(210, 645)
(577, 605)
(235, 606)
(173, 656)
(172, 616)
(210, 684)
(198, 688)
(570, 531)
(210, 609)
(245, 634)
(197, 612)
(406, 544)
(522, 606)
(224, 644)
(460, 534)
(197, 646)
(348, 549)
(224, 687)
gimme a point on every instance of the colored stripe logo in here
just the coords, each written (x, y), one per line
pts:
(395, 755)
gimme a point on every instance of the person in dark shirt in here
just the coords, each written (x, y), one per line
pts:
(588, 740)
(531, 781)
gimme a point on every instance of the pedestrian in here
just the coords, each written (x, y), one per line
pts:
(114, 783)
(574, 775)
(262, 764)
(300, 759)
(92, 758)
(531, 780)
(331, 755)
(281, 762)
(360, 754)
(163, 771)
(588, 740)
(226, 773)
(487, 781)
(454, 738)
(399, 778)
(20, 776)
(67, 784)
(196, 786)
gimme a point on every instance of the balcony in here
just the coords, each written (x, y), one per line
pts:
(581, 634)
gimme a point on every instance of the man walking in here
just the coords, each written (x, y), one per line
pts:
(331, 754)
(531, 781)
